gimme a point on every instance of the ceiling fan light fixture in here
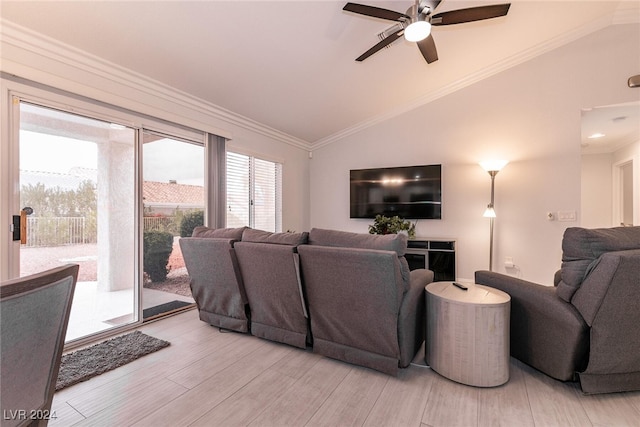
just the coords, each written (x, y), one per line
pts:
(417, 30)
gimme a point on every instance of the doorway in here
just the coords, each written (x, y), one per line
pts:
(610, 162)
(625, 209)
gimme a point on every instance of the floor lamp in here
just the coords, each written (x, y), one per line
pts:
(492, 167)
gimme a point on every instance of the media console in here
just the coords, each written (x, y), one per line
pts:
(436, 255)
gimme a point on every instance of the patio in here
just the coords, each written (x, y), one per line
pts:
(94, 310)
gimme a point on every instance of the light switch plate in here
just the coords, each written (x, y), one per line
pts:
(567, 215)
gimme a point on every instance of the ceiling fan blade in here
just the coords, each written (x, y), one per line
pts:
(428, 49)
(471, 14)
(375, 12)
(382, 44)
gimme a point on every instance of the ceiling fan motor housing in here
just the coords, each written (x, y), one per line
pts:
(420, 11)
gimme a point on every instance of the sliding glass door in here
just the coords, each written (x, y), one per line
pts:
(77, 192)
(173, 198)
(87, 183)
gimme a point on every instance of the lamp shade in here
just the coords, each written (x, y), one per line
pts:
(493, 165)
(489, 212)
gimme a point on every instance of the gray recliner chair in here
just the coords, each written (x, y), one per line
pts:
(216, 283)
(586, 327)
(365, 306)
(34, 314)
(270, 271)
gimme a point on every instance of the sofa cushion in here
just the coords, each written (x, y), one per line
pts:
(385, 242)
(220, 233)
(581, 249)
(260, 236)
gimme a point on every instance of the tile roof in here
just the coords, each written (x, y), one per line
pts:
(171, 193)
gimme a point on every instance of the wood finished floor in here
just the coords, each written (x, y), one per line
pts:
(209, 378)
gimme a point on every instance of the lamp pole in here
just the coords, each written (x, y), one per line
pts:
(491, 219)
(492, 167)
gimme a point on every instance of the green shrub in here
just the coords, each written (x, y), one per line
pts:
(191, 220)
(157, 246)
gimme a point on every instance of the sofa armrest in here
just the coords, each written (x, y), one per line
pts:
(411, 319)
(608, 298)
(546, 332)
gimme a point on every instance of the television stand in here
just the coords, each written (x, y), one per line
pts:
(437, 255)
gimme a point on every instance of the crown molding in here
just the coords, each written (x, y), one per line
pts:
(26, 40)
(619, 17)
(627, 13)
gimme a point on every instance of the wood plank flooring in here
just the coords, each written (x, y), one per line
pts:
(212, 378)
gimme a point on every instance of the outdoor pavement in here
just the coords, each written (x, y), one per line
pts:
(93, 310)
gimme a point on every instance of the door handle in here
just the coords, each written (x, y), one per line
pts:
(19, 226)
(23, 227)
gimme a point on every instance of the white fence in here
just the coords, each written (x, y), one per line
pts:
(57, 231)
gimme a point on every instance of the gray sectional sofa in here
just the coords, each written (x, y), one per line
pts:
(349, 296)
(587, 326)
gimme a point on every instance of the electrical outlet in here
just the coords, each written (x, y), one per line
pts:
(508, 262)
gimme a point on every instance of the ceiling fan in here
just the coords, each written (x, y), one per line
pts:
(415, 24)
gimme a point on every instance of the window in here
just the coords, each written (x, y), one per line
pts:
(254, 192)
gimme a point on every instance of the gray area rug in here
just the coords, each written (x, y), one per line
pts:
(95, 360)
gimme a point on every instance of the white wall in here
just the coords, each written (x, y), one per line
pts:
(529, 115)
(596, 192)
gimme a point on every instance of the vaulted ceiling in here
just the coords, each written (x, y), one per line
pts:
(290, 65)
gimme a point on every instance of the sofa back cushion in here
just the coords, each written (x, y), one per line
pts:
(344, 239)
(383, 242)
(218, 233)
(581, 249)
(259, 236)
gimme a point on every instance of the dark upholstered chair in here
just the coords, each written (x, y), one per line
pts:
(271, 275)
(587, 327)
(365, 306)
(215, 278)
(34, 314)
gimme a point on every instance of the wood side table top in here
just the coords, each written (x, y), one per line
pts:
(475, 294)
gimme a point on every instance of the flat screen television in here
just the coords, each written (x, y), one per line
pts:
(410, 192)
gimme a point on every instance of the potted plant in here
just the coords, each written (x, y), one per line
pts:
(392, 225)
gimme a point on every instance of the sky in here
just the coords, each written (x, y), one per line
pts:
(164, 159)
(48, 153)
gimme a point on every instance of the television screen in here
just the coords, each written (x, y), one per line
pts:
(410, 192)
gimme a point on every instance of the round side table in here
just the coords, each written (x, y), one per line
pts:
(468, 333)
